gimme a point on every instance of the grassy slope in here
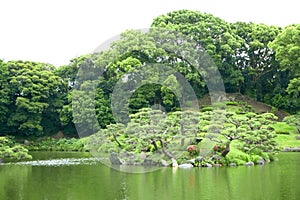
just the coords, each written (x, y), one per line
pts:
(286, 134)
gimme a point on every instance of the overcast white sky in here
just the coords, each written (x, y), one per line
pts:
(55, 31)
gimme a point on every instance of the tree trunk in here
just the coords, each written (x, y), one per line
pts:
(115, 137)
(164, 151)
(227, 149)
(182, 133)
(155, 146)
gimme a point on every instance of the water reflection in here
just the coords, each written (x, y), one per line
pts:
(279, 180)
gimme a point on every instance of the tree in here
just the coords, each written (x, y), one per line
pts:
(4, 101)
(152, 132)
(287, 48)
(33, 89)
(293, 120)
(254, 58)
(214, 35)
(10, 150)
(251, 130)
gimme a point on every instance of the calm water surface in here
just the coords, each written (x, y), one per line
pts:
(87, 179)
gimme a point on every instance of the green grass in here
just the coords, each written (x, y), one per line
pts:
(284, 128)
(287, 141)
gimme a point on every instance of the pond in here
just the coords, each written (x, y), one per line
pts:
(82, 177)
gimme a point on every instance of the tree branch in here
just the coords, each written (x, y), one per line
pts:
(115, 137)
(163, 149)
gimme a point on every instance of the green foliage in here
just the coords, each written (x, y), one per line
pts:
(63, 144)
(214, 35)
(33, 91)
(285, 141)
(206, 108)
(287, 48)
(284, 128)
(9, 150)
(231, 103)
(149, 131)
(254, 59)
(255, 158)
(293, 120)
(238, 157)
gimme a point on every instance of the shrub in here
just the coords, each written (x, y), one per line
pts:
(193, 150)
(283, 128)
(9, 150)
(255, 158)
(63, 144)
(231, 103)
(206, 108)
(219, 105)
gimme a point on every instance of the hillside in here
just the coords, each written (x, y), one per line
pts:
(257, 106)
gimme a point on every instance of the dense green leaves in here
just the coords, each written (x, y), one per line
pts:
(257, 60)
(287, 48)
(33, 89)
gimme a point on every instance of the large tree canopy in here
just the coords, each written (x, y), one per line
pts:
(287, 48)
(33, 89)
(257, 60)
(213, 34)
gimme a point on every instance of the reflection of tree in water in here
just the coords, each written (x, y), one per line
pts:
(124, 189)
(13, 181)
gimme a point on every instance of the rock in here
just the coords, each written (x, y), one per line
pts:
(260, 162)
(186, 166)
(199, 159)
(26, 143)
(298, 137)
(217, 165)
(123, 162)
(114, 160)
(249, 164)
(174, 163)
(207, 165)
(216, 157)
(149, 162)
(164, 163)
(232, 165)
(192, 161)
(296, 149)
(143, 156)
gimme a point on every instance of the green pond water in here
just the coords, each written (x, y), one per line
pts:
(72, 176)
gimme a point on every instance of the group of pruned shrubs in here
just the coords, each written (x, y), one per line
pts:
(241, 135)
(52, 144)
(10, 150)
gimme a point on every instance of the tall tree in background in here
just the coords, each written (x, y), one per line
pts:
(33, 93)
(255, 59)
(214, 35)
(4, 100)
(287, 48)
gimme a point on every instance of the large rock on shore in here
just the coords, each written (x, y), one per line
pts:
(207, 165)
(232, 165)
(174, 162)
(149, 162)
(296, 149)
(186, 166)
(114, 160)
(164, 163)
(260, 162)
(249, 164)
